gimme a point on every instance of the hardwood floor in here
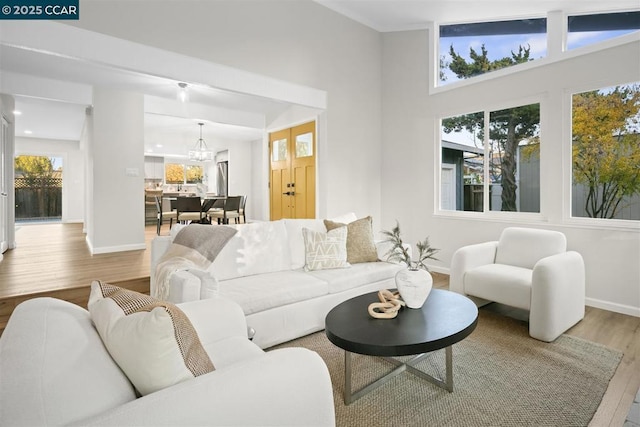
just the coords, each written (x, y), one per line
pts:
(54, 260)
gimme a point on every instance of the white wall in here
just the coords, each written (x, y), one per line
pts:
(410, 153)
(117, 151)
(72, 171)
(7, 105)
(299, 42)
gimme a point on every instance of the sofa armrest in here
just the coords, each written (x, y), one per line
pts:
(557, 295)
(215, 318)
(468, 257)
(287, 387)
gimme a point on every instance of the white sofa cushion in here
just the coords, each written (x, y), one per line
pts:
(54, 369)
(296, 241)
(325, 249)
(524, 247)
(153, 342)
(358, 275)
(502, 283)
(269, 290)
(258, 247)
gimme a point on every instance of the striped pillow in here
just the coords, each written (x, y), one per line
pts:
(152, 341)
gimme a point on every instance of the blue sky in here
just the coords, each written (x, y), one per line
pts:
(502, 46)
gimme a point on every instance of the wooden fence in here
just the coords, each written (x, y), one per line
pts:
(38, 198)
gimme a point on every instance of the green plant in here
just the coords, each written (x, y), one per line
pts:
(400, 253)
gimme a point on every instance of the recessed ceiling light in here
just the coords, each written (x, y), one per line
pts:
(159, 145)
(28, 132)
(17, 113)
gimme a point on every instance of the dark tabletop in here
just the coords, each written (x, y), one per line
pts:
(444, 319)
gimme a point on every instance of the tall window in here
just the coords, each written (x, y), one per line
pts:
(507, 177)
(468, 50)
(606, 153)
(589, 29)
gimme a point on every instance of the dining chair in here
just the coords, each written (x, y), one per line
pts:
(231, 210)
(189, 209)
(241, 211)
(161, 216)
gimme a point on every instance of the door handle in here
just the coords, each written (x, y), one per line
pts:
(290, 193)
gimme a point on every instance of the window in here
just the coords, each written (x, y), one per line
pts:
(177, 173)
(507, 177)
(174, 173)
(468, 50)
(38, 188)
(588, 29)
(194, 174)
(606, 153)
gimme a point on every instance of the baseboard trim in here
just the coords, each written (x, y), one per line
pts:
(122, 248)
(591, 302)
(615, 307)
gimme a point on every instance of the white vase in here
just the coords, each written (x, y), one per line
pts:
(414, 286)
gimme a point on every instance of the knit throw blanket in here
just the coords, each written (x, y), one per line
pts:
(194, 247)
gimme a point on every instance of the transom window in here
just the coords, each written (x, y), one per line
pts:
(468, 50)
(589, 29)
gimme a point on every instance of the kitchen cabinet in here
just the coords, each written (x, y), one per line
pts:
(153, 167)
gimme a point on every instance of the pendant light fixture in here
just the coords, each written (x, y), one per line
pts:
(200, 152)
(183, 94)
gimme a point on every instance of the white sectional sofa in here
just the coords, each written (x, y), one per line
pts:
(55, 370)
(261, 268)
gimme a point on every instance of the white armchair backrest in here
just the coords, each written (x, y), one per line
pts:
(524, 247)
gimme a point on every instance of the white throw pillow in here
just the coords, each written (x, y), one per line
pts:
(325, 250)
(152, 341)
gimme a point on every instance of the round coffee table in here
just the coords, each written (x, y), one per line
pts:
(445, 319)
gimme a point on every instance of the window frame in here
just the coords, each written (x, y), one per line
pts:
(487, 214)
(567, 166)
(557, 31)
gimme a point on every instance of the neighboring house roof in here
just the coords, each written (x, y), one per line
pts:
(461, 147)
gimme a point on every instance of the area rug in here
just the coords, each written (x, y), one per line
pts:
(502, 377)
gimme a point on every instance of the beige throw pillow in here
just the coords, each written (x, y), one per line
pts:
(360, 244)
(152, 341)
(325, 250)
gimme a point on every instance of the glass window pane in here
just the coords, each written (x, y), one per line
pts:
(514, 162)
(468, 50)
(279, 150)
(462, 173)
(589, 29)
(304, 145)
(606, 153)
(174, 173)
(194, 174)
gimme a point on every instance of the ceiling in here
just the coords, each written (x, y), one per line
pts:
(402, 15)
(55, 118)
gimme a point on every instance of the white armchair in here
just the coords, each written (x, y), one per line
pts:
(527, 268)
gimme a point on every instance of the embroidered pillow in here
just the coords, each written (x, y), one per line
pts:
(360, 244)
(152, 341)
(325, 250)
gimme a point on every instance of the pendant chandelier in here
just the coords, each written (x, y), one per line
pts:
(200, 153)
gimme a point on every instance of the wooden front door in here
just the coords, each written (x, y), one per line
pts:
(293, 172)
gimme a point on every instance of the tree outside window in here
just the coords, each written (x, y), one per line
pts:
(174, 173)
(606, 153)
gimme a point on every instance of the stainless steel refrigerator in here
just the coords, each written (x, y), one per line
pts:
(223, 179)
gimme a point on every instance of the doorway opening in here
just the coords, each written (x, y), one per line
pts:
(38, 189)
